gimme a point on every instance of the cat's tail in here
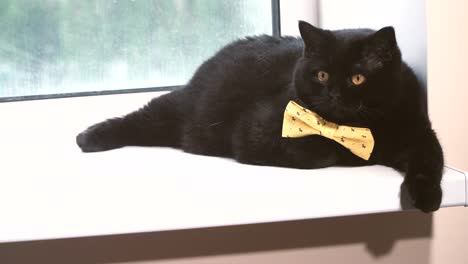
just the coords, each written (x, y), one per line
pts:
(159, 123)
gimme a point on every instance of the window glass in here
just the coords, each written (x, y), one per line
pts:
(66, 46)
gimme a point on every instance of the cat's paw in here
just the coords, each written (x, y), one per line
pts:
(96, 138)
(89, 141)
(423, 195)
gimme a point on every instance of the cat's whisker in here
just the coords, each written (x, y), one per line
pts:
(361, 105)
(368, 113)
(215, 124)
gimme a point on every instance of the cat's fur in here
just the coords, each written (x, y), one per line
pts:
(234, 104)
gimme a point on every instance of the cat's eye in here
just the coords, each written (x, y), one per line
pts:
(323, 76)
(358, 79)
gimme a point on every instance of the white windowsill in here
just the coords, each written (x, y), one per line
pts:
(49, 189)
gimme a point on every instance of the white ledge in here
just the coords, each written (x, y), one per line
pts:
(49, 189)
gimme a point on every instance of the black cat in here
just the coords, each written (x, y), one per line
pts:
(233, 107)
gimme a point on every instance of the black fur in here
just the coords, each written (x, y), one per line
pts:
(233, 107)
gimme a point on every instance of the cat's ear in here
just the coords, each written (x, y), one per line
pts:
(383, 44)
(314, 38)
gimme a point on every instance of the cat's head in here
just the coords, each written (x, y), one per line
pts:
(348, 76)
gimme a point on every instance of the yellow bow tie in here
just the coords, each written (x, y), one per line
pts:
(300, 122)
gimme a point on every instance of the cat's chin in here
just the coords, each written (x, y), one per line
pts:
(339, 115)
(335, 117)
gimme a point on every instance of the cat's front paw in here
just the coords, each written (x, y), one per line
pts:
(89, 141)
(426, 196)
(97, 138)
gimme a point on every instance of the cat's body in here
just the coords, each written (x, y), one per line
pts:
(234, 104)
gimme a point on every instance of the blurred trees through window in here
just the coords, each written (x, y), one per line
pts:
(66, 46)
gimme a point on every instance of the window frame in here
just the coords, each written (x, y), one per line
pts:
(276, 31)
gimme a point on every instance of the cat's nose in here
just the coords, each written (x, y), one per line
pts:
(334, 95)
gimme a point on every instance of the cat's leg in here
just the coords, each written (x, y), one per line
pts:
(156, 124)
(424, 172)
(423, 164)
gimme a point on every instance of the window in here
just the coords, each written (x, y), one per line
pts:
(64, 46)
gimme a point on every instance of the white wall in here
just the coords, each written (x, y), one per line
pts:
(448, 71)
(292, 11)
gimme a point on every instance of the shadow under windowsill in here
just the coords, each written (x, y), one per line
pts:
(379, 232)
